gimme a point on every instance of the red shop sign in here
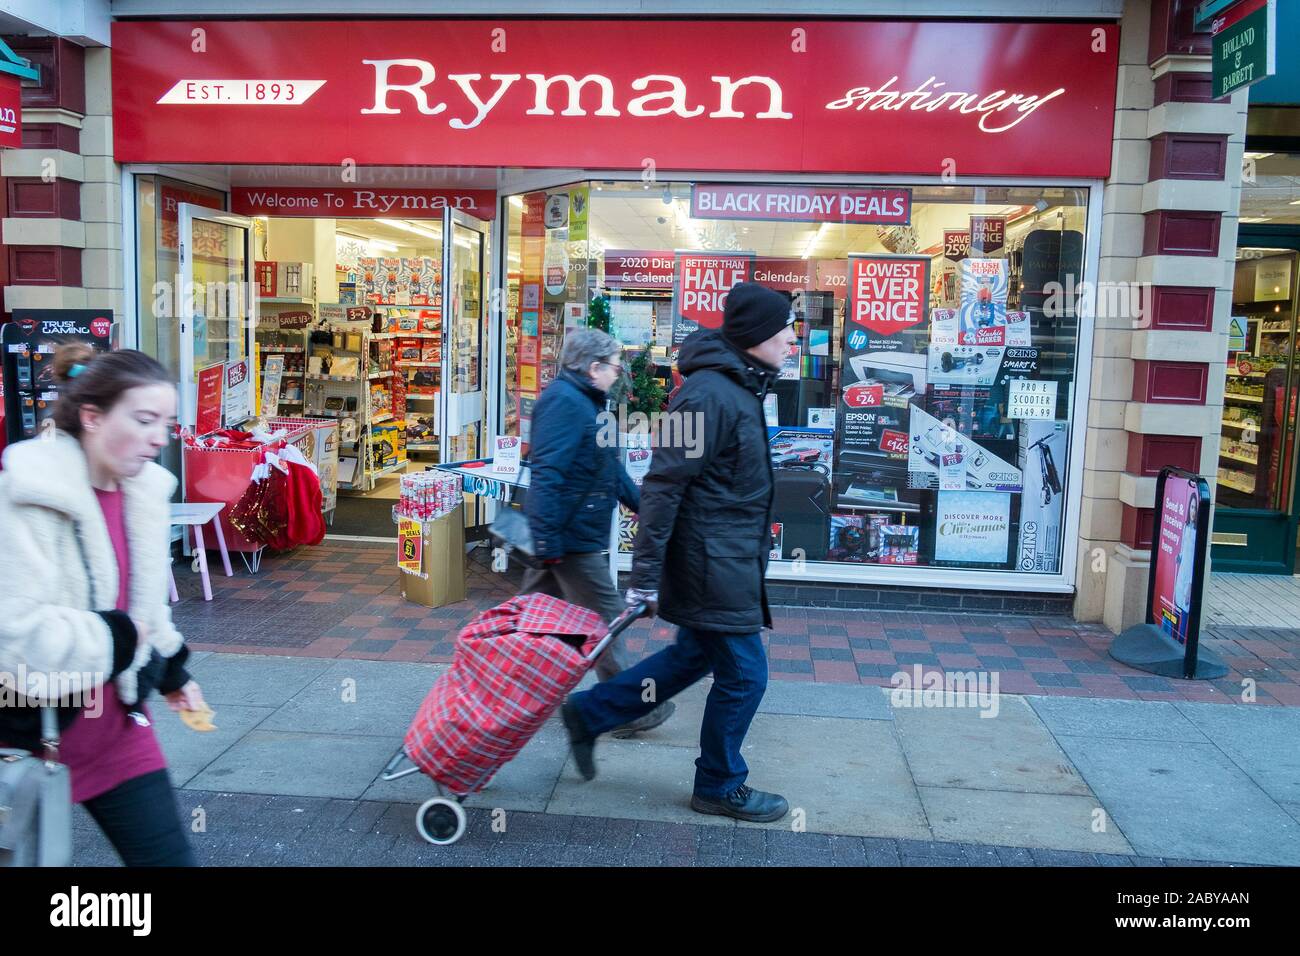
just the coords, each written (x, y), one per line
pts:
(802, 204)
(889, 293)
(786, 275)
(11, 112)
(703, 281)
(639, 268)
(909, 96)
(353, 202)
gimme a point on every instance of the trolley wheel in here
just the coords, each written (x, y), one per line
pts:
(441, 821)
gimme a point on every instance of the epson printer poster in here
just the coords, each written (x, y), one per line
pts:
(885, 335)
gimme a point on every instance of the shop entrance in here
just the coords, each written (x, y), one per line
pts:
(379, 323)
(1258, 504)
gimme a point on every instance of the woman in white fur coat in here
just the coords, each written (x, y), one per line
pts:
(85, 622)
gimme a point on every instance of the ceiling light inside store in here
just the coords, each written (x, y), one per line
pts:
(381, 244)
(410, 227)
(1255, 218)
(1257, 155)
(815, 239)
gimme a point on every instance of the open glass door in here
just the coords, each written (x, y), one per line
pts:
(217, 315)
(462, 412)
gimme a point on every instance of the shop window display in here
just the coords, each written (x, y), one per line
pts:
(923, 416)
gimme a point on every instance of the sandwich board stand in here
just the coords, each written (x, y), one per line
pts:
(1168, 643)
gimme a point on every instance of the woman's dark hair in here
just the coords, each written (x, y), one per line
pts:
(87, 376)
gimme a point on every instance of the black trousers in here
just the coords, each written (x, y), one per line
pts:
(139, 818)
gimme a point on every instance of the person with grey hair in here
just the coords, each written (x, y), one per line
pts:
(576, 480)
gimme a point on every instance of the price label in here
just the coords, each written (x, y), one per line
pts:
(1029, 398)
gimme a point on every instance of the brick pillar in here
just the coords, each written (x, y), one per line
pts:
(62, 229)
(1169, 223)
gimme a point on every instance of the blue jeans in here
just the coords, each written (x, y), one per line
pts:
(739, 666)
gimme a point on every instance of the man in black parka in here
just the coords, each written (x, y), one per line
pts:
(701, 554)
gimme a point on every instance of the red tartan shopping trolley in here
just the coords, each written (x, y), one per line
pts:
(512, 668)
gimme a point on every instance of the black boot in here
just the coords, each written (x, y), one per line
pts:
(743, 803)
(581, 742)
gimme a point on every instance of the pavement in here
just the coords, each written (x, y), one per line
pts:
(1063, 756)
(291, 776)
(341, 600)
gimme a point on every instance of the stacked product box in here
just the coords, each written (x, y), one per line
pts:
(428, 495)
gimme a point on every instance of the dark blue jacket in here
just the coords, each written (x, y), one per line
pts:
(574, 482)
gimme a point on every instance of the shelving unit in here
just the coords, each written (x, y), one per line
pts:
(274, 339)
(355, 340)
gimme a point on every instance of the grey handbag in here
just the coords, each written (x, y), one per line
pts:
(36, 803)
(510, 531)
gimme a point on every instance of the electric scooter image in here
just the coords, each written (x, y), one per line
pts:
(1051, 480)
(949, 363)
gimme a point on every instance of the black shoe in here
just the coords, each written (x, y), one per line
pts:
(646, 722)
(580, 740)
(743, 803)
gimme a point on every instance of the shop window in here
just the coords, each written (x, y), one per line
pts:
(922, 424)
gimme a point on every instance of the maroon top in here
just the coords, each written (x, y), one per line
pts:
(105, 748)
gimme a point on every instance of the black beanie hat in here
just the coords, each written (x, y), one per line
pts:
(753, 314)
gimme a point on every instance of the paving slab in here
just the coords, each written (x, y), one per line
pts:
(1263, 741)
(847, 776)
(857, 701)
(636, 780)
(376, 698)
(1013, 751)
(189, 751)
(311, 765)
(1186, 801)
(1099, 717)
(256, 680)
(1044, 820)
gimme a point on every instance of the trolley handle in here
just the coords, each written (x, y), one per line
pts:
(619, 625)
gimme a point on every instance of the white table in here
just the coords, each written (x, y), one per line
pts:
(195, 514)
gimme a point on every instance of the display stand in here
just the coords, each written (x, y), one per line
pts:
(222, 475)
(1168, 643)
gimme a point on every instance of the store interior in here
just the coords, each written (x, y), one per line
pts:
(1257, 448)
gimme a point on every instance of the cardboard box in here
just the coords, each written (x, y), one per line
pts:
(442, 562)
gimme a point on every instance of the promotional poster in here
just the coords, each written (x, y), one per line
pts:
(972, 527)
(936, 451)
(983, 309)
(802, 447)
(884, 372)
(1042, 461)
(701, 282)
(1175, 556)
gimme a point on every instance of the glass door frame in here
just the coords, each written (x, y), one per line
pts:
(1263, 555)
(186, 214)
(451, 219)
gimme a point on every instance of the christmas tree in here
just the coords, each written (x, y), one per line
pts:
(648, 395)
(598, 314)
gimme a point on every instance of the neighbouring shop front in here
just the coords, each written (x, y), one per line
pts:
(928, 194)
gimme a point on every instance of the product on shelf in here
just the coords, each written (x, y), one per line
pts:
(427, 495)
